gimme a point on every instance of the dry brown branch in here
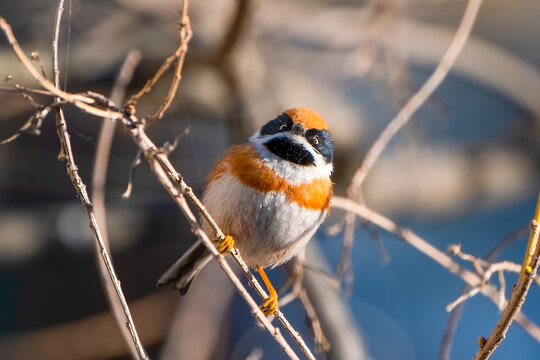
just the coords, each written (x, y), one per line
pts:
(173, 183)
(321, 342)
(526, 277)
(432, 252)
(27, 97)
(185, 36)
(23, 90)
(66, 154)
(404, 115)
(418, 99)
(35, 57)
(455, 315)
(134, 164)
(98, 192)
(32, 125)
(176, 187)
(298, 291)
(485, 270)
(179, 57)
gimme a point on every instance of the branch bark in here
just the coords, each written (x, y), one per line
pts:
(99, 176)
(66, 154)
(526, 277)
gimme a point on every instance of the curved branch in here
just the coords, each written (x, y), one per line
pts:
(418, 99)
(432, 252)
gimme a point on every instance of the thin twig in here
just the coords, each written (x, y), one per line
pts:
(404, 115)
(23, 90)
(66, 154)
(433, 253)
(418, 99)
(134, 165)
(32, 125)
(84, 103)
(35, 56)
(455, 315)
(486, 276)
(298, 291)
(99, 176)
(185, 34)
(26, 96)
(321, 342)
(526, 277)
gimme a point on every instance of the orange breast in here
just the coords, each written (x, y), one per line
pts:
(244, 163)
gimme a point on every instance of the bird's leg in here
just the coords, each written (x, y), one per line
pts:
(226, 245)
(270, 305)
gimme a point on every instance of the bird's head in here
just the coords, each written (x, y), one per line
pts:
(297, 139)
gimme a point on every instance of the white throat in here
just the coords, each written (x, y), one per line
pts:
(294, 174)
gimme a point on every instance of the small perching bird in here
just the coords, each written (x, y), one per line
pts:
(269, 195)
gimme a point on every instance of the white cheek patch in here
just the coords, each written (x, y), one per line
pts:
(295, 174)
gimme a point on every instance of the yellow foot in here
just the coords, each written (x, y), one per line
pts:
(270, 305)
(226, 245)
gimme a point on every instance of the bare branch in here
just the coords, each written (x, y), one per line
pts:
(527, 275)
(32, 125)
(415, 102)
(82, 102)
(134, 164)
(453, 321)
(176, 187)
(179, 57)
(23, 90)
(418, 99)
(486, 274)
(432, 252)
(66, 154)
(98, 196)
(185, 37)
(35, 56)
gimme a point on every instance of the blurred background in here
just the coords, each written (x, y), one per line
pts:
(464, 170)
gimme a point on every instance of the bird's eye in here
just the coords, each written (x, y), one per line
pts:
(282, 123)
(316, 140)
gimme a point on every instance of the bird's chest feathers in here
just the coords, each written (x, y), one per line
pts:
(244, 163)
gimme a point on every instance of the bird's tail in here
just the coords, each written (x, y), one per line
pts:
(184, 270)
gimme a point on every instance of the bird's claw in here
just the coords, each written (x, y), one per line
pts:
(270, 305)
(226, 245)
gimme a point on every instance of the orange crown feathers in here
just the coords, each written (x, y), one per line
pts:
(307, 117)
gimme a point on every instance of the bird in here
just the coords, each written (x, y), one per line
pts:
(269, 195)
